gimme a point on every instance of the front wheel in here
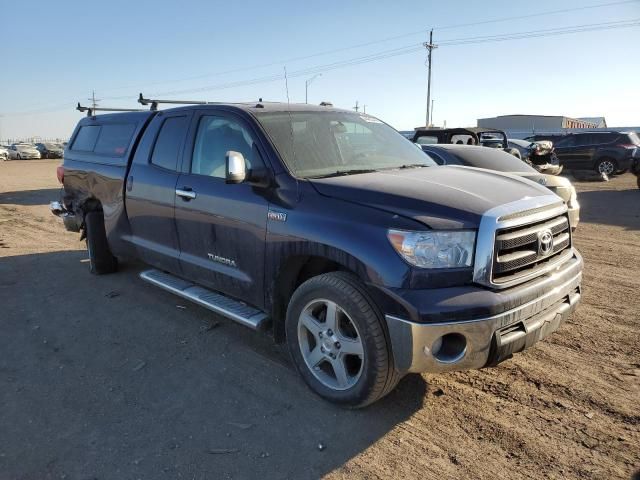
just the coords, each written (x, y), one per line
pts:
(337, 341)
(606, 165)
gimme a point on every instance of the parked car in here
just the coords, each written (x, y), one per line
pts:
(50, 150)
(4, 153)
(478, 157)
(603, 152)
(328, 228)
(540, 155)
(487, 137)
(552, 137)
(23, 151)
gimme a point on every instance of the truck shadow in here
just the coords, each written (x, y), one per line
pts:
(143, 384)
(611, 207)
(30, 197)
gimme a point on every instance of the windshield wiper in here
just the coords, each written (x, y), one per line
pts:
(342, 173)
(413, 165)
(403, 167)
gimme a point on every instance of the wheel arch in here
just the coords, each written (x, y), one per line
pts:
(293, 272)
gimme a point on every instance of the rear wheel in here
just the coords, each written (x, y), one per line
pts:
(606, 165)
(337, 341)
(101, 260)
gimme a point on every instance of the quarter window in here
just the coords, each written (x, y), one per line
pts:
(114, 139)
(170, 139)
(216, 136)
(86, 138)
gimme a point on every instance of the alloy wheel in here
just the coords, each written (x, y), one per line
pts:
(606, 166)
(330, 344)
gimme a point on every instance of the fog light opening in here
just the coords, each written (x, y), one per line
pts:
(449, 348)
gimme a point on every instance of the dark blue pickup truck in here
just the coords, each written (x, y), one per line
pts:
(329, 229)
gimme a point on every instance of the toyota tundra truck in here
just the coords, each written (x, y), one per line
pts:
(330, 231)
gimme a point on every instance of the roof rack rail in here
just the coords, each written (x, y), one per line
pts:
(91, 110)
(154, 103)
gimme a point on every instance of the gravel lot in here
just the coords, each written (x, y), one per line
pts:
(110, 378)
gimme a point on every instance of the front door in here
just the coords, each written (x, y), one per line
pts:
(575, 152)
(221, 227)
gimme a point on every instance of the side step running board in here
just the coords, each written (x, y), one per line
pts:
(216, 302)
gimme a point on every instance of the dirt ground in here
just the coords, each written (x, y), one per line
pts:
(110, 378)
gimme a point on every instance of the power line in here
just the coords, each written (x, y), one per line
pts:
(407, 49)
(365, 44)
(410, 49)
(384, 40)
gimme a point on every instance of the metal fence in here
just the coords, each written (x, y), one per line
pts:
(10, 141)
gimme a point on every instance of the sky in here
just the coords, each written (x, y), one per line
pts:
(56, 53)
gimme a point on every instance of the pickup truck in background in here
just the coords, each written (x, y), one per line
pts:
(328, 229)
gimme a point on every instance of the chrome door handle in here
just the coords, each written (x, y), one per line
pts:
(186, 194)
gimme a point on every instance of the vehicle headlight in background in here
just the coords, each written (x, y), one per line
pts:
(573, 199)
(434, 248)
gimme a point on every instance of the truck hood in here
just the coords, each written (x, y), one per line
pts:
(439, 197)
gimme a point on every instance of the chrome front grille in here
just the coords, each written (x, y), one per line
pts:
(518, 251)
(522, 240)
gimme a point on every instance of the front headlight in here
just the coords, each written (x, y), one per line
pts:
(435, 248)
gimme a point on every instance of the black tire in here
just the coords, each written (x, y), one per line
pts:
(101, 260)
(377, 375)
(18, 157)
(606, 165)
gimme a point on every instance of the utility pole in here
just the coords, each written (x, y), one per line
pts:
(364, 109)
(356, 108)
(431, 118)
(94, 101)
(306, 86)
(429, 46)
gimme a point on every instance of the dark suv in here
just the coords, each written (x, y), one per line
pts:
(604, 152)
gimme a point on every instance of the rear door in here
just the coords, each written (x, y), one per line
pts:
(151, 191)
(222, 227)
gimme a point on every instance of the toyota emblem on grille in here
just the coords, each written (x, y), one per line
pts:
(545, 243)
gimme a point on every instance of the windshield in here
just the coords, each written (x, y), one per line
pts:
(633, 136)
(314, 144)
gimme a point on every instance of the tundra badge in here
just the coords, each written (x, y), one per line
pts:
(277, 216)
(219, 259)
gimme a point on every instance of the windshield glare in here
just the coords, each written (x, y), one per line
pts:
(324, 143)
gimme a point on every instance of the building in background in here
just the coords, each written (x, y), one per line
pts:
(599, 121)
(520, 126)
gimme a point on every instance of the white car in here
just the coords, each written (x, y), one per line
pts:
(23, 151)
(4, 153)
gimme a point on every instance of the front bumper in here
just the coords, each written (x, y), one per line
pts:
(487, 340)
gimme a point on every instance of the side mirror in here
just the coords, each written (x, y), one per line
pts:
(236, 168)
